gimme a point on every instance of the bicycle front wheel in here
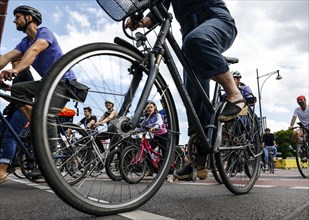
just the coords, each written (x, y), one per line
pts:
(237, 160)
(116, 74)
(302, 157)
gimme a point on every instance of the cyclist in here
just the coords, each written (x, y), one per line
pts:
(244, 89)
(89, 120)
(108, 115)
(154, 122)
(302, 112)
(268, 142)
(17, 121)
(41, 50)
(208, 30)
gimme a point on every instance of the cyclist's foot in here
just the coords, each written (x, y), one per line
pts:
(170, 178)
(231, 110)
(3, 178)
(304, 159)
(25, 132)
(187, 173)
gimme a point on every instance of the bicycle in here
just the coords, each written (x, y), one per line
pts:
(302, 153)
(25, 158)
(130, 75)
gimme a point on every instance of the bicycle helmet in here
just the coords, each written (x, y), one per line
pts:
(109, 101)
(28, 10)
(236, 74)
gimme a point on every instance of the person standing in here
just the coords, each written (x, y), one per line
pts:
(302, 113)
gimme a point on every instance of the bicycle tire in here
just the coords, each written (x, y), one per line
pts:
(111, 72)
(132, 170)
(215, 171)
(236, 164)
(112, 165)
(302, 159)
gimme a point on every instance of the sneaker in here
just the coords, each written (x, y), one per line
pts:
(187, 173)
(170, 178)
(266, 167)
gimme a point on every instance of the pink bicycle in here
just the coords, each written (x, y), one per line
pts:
(143, 158)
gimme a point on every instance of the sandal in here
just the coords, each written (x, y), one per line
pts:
(3, 178)
(230, 110)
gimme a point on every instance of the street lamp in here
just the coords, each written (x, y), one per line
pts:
(260, 88)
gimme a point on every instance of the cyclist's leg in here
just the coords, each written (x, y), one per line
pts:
(17, 121)
(266, 155)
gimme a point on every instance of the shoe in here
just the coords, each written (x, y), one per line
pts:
(170, 178)
(266, 167)
(187, 173)
(3, 178)
(230, 110)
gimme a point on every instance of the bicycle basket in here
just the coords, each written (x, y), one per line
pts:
(121, 9)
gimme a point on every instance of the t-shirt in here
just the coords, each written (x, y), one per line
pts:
(47, 57)
(85, 120)
(303, 116)
(269, 139)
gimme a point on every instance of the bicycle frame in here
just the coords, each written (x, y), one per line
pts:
(160, 51)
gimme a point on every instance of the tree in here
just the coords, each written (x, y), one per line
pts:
(285, 140)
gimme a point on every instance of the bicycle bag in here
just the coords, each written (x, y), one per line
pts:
(77, 91)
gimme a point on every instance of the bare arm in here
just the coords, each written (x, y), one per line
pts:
(293, 120)
(27, 59)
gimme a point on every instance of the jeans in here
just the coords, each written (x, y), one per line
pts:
(273, 149)
(17, 121)
(202, 47)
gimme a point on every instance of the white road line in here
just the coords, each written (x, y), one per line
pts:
(264, 186)
(300, 187)
(141, 215)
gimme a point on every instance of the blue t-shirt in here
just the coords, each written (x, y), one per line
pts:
(47, 57)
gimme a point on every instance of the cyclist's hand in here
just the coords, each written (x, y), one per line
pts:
(290, 127)
(133, 25)
(8, 74)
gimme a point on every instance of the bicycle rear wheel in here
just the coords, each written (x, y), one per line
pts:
(112, 72)
(302, 159)
(237, 162)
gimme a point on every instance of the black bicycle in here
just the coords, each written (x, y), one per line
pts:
(302, 153)
(130, 75)
(70, 157)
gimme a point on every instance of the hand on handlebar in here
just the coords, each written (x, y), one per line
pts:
(8, 75)
(133, 24)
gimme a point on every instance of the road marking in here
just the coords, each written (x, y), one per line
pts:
(141, 215)
(300, 187)
(264, 186)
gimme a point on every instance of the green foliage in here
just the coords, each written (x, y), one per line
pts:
(284, 140)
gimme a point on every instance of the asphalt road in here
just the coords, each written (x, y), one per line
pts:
(283, 195)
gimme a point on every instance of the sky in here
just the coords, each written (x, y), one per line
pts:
(272, 35)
